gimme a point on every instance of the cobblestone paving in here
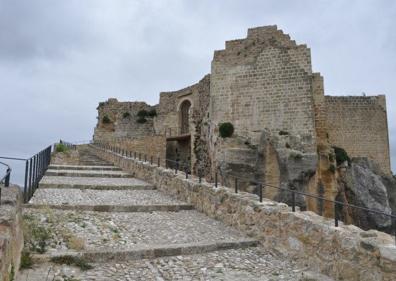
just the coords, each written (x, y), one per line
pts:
(88, 182)
(108, 233)
(96, 230)
(103, 197)
(231, 265)
(88, 173)
(82, 167)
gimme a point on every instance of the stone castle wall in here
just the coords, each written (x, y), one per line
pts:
(359, 125)
(149, 146)
(264, 82)
(119, 125)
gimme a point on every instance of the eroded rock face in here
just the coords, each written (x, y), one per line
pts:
(364, 187)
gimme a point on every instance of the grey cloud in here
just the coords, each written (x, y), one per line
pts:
(58, 59)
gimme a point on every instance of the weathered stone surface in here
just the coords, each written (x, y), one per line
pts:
(93, 183)
(304, 236)
(11, 237)
(365, 188)
(253, 264)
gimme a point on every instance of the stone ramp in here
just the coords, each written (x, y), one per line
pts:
(101, 231)
(226, 265)
(105, 200)
(94, 183)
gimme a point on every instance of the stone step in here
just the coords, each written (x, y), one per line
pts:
(83, 167)
(153, 251)
(115, 208)
(106, 200)
(88, 173)
(253, 264)
(63, 182)
(86, 231)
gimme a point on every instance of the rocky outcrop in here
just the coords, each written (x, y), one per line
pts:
(365, 187)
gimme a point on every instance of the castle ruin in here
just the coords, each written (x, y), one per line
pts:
(287, 132)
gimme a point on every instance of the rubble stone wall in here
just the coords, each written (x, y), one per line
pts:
(120, 125)
(344, 253)
(11, 234)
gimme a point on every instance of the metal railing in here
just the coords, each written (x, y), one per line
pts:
(6, 178)
(260, 185)
(35, 168)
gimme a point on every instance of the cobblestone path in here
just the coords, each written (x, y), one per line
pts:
(127, 230)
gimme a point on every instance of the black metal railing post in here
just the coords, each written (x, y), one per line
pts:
(25, 186)
(7, 178)
(293, 201)
(236, 185)
(177, 166)
(335, 214)
(261, 192)
(186, 170)
(159, 162)
(216, 179)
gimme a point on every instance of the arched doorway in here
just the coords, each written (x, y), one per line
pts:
(184, 117)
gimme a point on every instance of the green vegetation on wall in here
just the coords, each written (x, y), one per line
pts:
(226, 129)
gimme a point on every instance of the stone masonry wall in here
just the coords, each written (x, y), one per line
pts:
(11, 236)
(154, 145)
(264, 82)
(359, 125)
(121, 126)
(344, 253)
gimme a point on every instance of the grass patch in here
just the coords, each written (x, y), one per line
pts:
(141, 120)
(60, 147)
(36, 236)
(26, 260)
(72, 260)
(106, 120)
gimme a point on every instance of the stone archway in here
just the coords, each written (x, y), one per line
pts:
(185, 117)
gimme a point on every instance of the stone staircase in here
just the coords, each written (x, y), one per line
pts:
(127, 230)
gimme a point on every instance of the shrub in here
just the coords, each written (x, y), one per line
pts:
(126, 115)
(226, 129)
(141, 120)
(142, 113)
(72, 260)
(283, 133)
(26, 260)
(152, 113)
(287, 145)
(106, 120)
(60, 147)
(341, 155)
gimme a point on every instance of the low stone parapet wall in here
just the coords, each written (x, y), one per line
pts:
(11, 234)
(344, 253)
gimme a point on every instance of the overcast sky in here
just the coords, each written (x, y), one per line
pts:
(59, 59)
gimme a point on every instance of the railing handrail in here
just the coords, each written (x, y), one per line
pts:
(124, 152)
(6, 178)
